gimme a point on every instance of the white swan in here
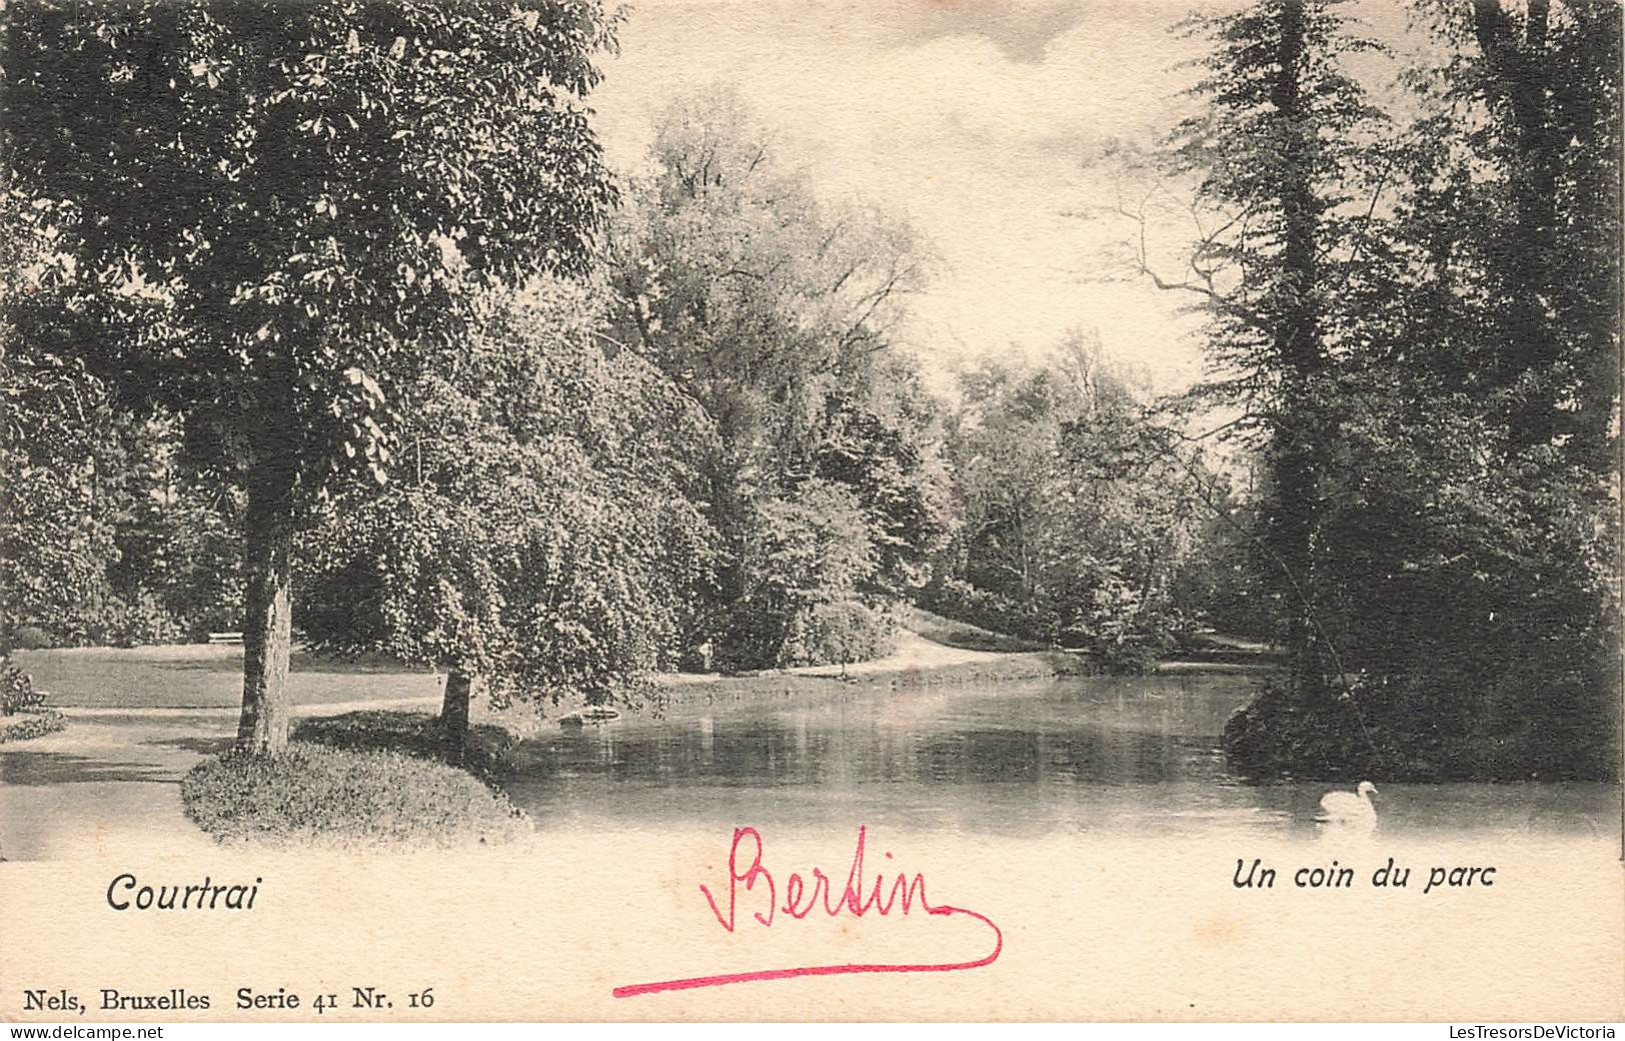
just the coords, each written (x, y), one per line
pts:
(1346, 808)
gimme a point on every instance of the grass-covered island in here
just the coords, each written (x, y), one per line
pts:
(312, 792)
(366, 777)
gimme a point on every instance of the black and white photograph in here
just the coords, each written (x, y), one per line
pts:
(982, 510)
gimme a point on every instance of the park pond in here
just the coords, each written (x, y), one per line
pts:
(1072, 754)
(1111, 754)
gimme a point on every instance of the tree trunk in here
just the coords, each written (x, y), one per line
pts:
(454, 715)
(1299, 433)
(268, 611)
(1297, 516)
(1520, 75)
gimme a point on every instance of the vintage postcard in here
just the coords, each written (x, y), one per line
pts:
(762, 510)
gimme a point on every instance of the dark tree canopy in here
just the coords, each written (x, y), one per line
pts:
(272, 204)
(280, 211)
(1421, 311)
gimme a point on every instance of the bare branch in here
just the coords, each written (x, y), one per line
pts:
(1204, 288)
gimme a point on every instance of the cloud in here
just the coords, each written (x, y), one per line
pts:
(1021, 31)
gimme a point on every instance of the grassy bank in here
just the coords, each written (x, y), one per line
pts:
(206, 676)
(414, 734)
(314, 793)
(686, 690)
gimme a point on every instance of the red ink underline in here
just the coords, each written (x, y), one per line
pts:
(636, 989)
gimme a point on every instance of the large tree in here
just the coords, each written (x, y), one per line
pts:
(773, 309)
(1277, 150)
(1077, 522)
(1548, 75)
(1425, 324)
(1472, 541)
(279, 211)
(541, 540)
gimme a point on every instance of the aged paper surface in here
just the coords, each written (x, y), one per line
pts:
(1090, 858)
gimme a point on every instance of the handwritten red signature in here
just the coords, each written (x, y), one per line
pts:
(801, 899)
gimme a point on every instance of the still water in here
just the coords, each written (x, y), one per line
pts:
(1079, 754)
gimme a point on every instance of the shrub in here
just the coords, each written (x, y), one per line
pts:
(1109, 619)
(32, 638)
(21, 707)
(839, 633)
(1276, 734)
(30, 724)
(961, 601)
(310, 793)
(17, 691)
(808, 547)
(750, 636)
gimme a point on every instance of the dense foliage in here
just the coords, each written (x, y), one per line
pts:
(1080, 520)
(274, 214)
(771, 310)
(539, 536)
(110, 537)
(1424, 322)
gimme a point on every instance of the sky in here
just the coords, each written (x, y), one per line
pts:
(984, 123)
